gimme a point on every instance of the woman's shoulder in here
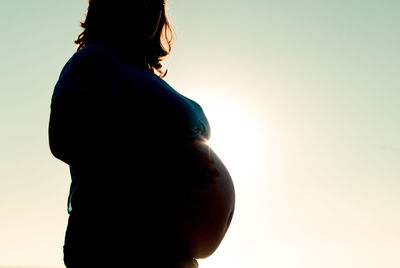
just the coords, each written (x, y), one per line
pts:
(94, 55)
(88, 70)
(92, 63)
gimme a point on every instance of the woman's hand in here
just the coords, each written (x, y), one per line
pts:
(199, 161)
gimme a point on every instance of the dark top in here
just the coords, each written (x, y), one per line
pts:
(152, 107)
(119, 127)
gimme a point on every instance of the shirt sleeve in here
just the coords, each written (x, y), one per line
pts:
(79, 127)
(90, 71)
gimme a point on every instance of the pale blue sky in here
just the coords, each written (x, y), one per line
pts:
(306, 91)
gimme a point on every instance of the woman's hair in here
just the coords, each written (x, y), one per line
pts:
(115, 23)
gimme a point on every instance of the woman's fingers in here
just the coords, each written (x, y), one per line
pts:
(199, 161)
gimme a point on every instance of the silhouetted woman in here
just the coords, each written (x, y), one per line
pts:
(146, 189)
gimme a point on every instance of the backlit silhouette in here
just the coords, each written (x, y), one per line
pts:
(146, 190)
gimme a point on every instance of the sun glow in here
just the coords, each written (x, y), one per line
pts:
(235, 137)
(241, 144)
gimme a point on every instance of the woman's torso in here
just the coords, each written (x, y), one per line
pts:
(145, 186)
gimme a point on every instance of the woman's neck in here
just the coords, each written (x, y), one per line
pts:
(133, 55)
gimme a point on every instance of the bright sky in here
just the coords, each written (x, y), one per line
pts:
(304, 103)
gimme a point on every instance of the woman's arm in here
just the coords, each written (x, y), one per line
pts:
(76, 130)
(84, 110)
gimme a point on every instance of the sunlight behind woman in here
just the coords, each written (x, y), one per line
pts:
(239, 141)
(235, 136)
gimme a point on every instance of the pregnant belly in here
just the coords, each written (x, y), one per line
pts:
(204, 213)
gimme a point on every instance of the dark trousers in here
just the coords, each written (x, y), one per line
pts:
(104, 241)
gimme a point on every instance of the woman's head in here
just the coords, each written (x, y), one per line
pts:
(138, 31)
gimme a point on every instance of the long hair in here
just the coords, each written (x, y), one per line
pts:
(112, 22)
